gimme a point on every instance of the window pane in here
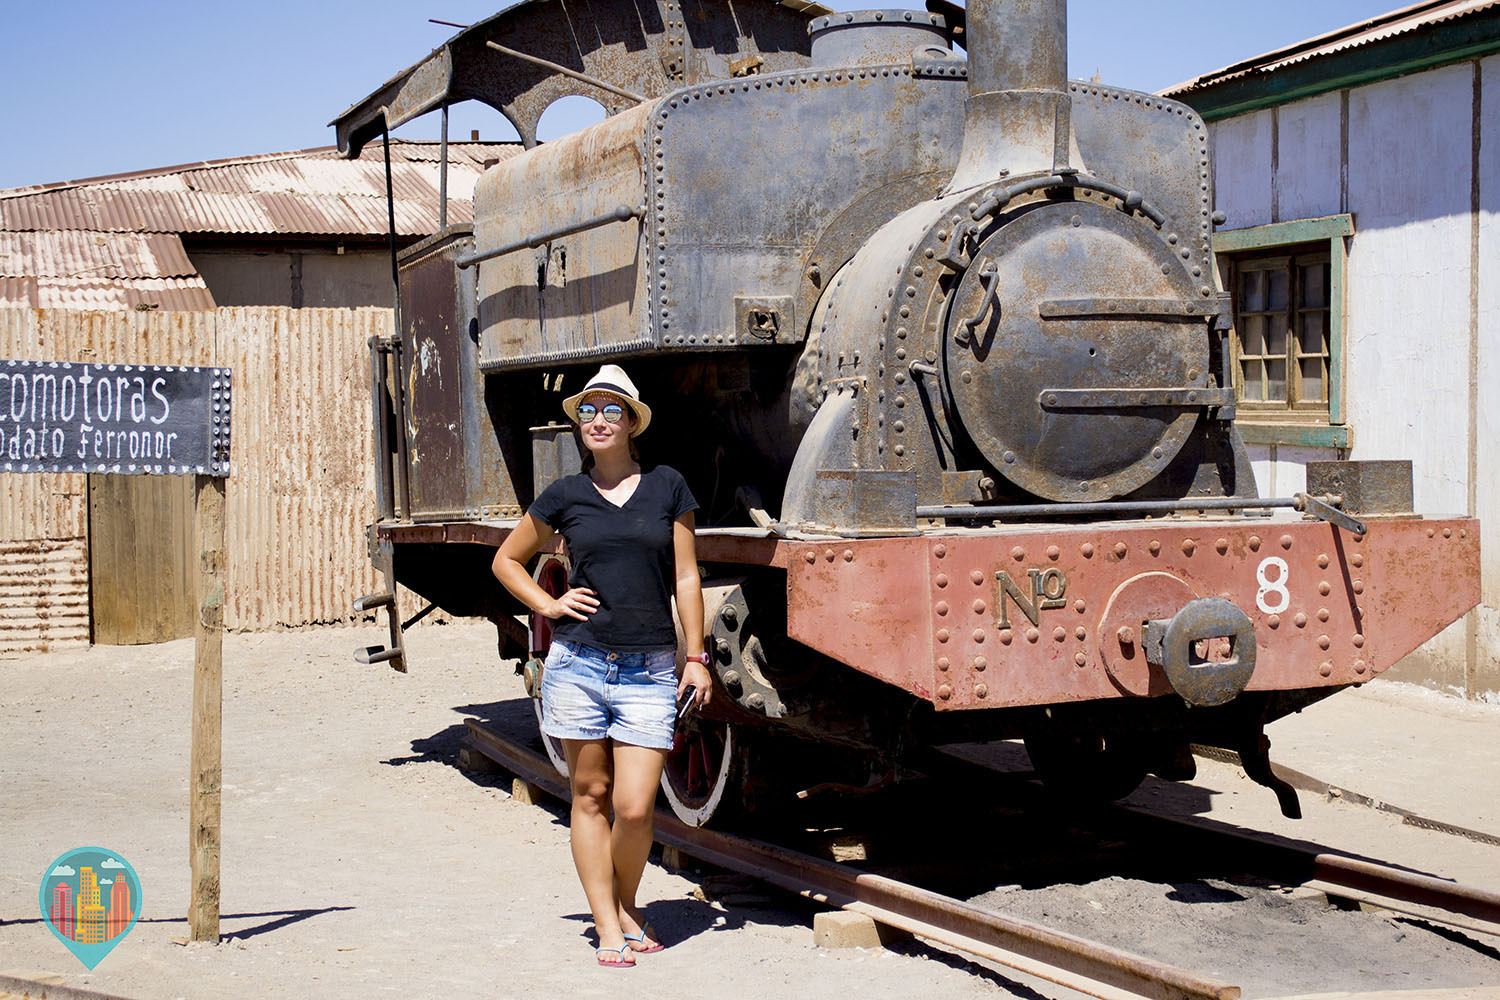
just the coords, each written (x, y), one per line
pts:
(1276, 380)
(1315, 286)
(1252, 291)
(1312, 380)
(1314, 333)
(1276, 292)
(1276, 337)
(1253, 340)
(1254, 384)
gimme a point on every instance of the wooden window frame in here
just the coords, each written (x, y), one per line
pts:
(1293, 423)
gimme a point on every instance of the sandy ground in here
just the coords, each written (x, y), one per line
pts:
(359, 860)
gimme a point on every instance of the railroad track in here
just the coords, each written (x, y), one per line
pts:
(1086, 966)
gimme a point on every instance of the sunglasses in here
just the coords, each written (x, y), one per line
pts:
(612, 413)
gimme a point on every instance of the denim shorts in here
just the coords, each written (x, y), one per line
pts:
(590, 693)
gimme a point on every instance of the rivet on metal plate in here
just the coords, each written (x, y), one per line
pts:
(1324, 588)
(1286, 541)
(1299, 620)
(1323, 614)
(940, 581)
(1080, 606)
(1120, 549)
(1006, 636)
(941, 607)
(976, 577)
(1189, 546)
(1053, 552)
(1324, 642)
(1155, 547)
(1358, 586)
(979, 607)
(980, 663)
(981, 691)
(978, 635)
(1254, 543)
(848, 555)
(1360, 666)
(1081, 658)
(940, 550)
(1017, 553)
(945, 692)
(1274, 621)
(1059, 633)
(943, 635)
(942, 663)
(1358, 640)
(1032, 635)
(1325, 668)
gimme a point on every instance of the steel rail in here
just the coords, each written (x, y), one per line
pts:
(1394, 889)
(1069, 961)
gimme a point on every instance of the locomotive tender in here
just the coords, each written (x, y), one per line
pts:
(938, 344)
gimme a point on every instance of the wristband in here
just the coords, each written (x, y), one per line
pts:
(702, 658)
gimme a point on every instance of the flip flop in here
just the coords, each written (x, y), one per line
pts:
(641, 939)
(621, 964)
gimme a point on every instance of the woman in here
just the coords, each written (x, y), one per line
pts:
(609, 686)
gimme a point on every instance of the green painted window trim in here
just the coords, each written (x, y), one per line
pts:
(1295, 435)
(1334, 229)
(1468, 37)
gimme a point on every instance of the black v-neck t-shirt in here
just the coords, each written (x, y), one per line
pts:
(623, 554)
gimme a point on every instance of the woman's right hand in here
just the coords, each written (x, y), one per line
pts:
(578, 602)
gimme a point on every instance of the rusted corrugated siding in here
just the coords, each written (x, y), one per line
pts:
(309, 192)
(45, 505)
(73, 253)
(300, 492)
(44, 596)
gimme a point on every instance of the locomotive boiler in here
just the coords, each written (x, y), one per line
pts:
(937, 340)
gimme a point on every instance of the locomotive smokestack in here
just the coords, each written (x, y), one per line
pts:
(1016, 115)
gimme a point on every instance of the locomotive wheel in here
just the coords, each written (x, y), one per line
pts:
(1088, 768)
(705, 762)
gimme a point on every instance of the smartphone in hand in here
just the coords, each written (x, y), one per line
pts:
(688, 703)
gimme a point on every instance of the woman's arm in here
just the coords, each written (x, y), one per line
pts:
(509, 568)
(690, 607)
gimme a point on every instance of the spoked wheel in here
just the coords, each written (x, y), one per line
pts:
(1086, 768)
(702, 768)
(551, 574)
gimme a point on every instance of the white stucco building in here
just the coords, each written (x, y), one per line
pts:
(1360, 176)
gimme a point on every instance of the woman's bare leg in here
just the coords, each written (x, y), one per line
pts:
(590, 771)
(637, 775)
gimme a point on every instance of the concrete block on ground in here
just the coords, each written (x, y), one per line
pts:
(844, 929)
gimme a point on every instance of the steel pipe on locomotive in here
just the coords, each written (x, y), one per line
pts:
(937, 341)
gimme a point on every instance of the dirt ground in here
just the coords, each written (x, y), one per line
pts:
(359, 860)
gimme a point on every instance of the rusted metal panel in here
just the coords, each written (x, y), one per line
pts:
(1035, 616)
(173, 294)
(44, 601)
(301, 493)
(859, 601)
(579, 295)
(72, 254)
(642, 47)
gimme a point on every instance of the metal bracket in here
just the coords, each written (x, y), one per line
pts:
(1116, 399)
(989, 280)
(1322, 508)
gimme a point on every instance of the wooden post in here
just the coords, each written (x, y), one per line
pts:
(208, 695)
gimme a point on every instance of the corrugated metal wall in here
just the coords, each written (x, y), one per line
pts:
(298, 498)
(301, 490)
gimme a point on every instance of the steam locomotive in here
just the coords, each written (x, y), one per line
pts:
(937, 341)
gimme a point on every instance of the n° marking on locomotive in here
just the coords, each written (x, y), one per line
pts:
(1048, 587)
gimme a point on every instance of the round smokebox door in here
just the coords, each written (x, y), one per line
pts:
(1073, 348)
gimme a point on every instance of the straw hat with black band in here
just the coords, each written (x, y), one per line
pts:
(613, 380)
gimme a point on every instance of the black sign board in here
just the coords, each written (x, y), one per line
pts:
(61, 416)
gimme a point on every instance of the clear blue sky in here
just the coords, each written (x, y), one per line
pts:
(99, 87)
